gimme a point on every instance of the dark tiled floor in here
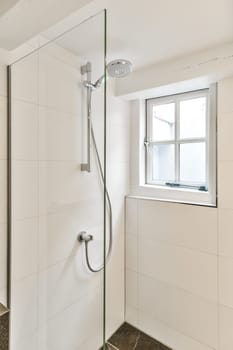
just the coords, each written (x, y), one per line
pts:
(130, 338)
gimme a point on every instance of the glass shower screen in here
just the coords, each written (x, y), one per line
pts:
(58, 206)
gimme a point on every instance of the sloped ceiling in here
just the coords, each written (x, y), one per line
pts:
(146, 32)
(22, 20)
(5, 5)
(152, 31)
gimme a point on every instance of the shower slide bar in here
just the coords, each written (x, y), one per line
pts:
(86, 69)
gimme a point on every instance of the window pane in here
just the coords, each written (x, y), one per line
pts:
(193, 118)
(163, 163)
(193, 163)
(163, 122)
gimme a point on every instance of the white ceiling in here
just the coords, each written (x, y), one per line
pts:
(151, 31)
(146, 32)
(5, 5)
(27, 18)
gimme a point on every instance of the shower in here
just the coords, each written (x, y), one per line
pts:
(118, 68)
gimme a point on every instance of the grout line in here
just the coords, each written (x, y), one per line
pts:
(218, 286)
(125, 247)
(167, 243)
(38, 207)
(113, 347)
(137, 256)
(137, 340)
(9, 196)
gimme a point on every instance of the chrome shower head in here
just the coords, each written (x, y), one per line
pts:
(119, 68)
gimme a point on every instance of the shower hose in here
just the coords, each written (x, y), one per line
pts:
(109, 205)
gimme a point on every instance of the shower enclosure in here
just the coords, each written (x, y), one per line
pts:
(56, 302)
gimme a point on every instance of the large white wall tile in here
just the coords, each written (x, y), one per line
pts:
(131, 216)
(24, 189)
(118, 185)
(115, 296)
(180, 310)
(3, 184)
(225, 190)
(3, 80)
(58, 232)
(118, 143)
(132, 288)
(118, 110)
(131, 242)
(118, 207)
(225, 102)
(24, 248)
(63, 285)
(225, 224)
(24, 307)
(225, 281)
(131, 316)
(59, 135)
(188, 226)
(225, 328)
(25, 79)
(82, 316)
(185, 268)
(24, 130)
(62, 85)
(3, 191)
(167, 335)
(61, 185)
(225, 131)
(3, 127)
(26, 342)
(3, 258)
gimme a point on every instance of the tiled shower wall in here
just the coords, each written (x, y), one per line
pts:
(56, 302)
(179, 259)
(3, 184)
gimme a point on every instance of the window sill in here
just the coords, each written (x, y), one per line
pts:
(182, 196)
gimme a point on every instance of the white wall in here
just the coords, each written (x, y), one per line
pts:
(179, 259)
(3, 184)
(56, 302)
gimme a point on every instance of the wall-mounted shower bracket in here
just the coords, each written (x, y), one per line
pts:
(86, 68)
(86, 167)
(84, 237)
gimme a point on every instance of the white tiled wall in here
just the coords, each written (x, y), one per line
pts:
(225, 228)
(3, 185)
(56, 302)
(179, 259)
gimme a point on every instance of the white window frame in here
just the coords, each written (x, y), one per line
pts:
(177, 141)
(140, 186)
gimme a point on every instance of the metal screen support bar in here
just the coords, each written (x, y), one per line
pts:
(86, 69)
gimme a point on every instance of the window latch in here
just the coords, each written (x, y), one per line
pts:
(175, 184)
(146, 143)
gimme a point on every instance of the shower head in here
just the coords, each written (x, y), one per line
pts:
(119, 68)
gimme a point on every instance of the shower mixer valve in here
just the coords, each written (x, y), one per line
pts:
(84, 237)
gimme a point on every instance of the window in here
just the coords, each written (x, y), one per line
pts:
(180, 146)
